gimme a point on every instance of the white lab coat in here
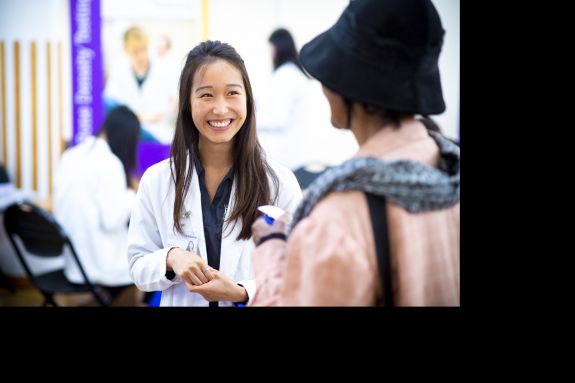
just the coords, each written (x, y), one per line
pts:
(152, 234)
(92, 203)
(293, 122)
(285, 117)
(153, 97)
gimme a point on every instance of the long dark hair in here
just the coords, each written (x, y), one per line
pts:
(285, 50)
(250, 166)
(122, 129)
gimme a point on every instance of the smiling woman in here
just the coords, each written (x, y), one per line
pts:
(208, 192)
(219, 105)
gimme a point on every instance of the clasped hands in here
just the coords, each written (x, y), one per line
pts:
(202, 279)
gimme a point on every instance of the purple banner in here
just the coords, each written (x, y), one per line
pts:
(151, 153)
(87, 78)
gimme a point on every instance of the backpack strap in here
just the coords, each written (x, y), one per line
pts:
(381, 237)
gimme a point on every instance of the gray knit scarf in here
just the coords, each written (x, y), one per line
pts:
(410, 184)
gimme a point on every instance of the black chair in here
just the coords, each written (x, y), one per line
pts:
(5, 283)
(42, 236)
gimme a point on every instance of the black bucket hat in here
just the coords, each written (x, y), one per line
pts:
(383, 53)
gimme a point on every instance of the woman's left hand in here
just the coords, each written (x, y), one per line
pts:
(261, 228)
(219, 288)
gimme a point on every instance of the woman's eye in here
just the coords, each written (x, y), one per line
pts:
(233, 93)
(205, 95)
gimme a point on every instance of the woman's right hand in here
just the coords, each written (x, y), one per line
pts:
(189, 266)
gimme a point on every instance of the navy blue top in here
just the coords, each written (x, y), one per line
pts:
(213, 213)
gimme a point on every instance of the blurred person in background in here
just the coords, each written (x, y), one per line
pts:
(94, 192)
(164, 46)
(190, 230)
(172, 67)
(144, 86)
(379, 69)
(284, 109)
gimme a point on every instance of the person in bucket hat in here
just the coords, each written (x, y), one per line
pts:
(383, 228)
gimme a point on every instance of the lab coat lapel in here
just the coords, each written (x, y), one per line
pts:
(231, 248)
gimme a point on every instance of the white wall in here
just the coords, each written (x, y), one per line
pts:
(449, 65)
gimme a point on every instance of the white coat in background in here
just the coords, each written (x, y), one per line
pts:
(152, 234)
(155, 95)
(93, 204)
(284, 117)
(293, 122)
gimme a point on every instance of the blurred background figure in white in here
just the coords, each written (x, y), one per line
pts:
(171, 67)
(284, 111)
(291, 116)
(94, 192)
(143, 85)
(164, 46)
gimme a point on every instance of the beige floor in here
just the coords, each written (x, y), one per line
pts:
(26, 295)
(22, 296)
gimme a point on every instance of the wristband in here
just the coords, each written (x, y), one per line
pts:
(281, 236)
